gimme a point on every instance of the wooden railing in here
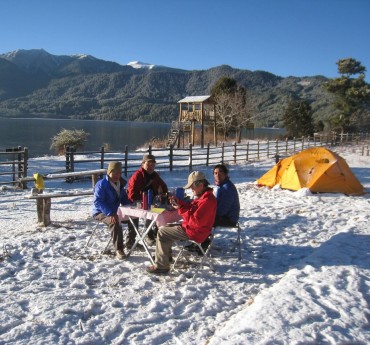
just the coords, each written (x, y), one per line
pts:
(13, 164)
(188, 158)
(16, 160)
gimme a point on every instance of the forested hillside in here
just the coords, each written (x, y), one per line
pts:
(34, 83)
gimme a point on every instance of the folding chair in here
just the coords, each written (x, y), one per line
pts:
(238, 239)
(206, 258)
(99, 236)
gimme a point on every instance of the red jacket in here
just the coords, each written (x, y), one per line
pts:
(139, 180)
(199, 216)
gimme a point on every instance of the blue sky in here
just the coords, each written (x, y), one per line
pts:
(284, 37)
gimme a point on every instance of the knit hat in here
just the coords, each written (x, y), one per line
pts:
(193, 177)
(148, 158)
(114, 166)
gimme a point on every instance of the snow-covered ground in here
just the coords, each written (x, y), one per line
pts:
(303, 277)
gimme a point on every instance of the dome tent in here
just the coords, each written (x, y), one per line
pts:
(318, 169)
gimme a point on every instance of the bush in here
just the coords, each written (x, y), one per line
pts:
(66, 137)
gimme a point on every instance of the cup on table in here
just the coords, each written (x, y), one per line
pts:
(138, 204)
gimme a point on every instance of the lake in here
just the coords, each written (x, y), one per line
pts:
(36, 134)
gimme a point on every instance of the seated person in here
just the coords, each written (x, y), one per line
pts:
(198, 218)
(228, 206)
(109, 194)
(141, 181)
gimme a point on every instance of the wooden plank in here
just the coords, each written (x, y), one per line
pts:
(66, 175)
(58, 195)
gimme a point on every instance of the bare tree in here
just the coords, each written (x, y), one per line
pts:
(242, 110)
(223, 113)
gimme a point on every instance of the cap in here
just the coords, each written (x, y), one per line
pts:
(114, 166)
(193, 177)
(148, 158)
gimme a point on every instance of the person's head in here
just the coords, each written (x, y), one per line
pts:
(220, 173)
(114, 171)
(197, 182)
(148, 163)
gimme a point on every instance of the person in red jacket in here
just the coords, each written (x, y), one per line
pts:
(198, 218)
(141, 181)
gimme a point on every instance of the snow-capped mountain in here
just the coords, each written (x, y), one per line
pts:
(139, 64)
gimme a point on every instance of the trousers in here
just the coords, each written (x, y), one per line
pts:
(165, 238)
(114, 228)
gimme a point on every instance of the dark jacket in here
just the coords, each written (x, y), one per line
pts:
(227, 201)
(140, 182)
(106, 199)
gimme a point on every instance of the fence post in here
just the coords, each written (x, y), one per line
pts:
(286, 146)
(258, 149)
(126, 159)
(222, 153)
(171, 157)
(67, 159)
(207, 159)
(294, 144)
(150, 149)
(25, 166)
(247, 156)
(235, 152)
(268, 148)
(71, 164)
(19, 159)
(102, 157)
(302, 144)
(190, 157)
(277, 147)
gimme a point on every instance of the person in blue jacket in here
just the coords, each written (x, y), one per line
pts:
(228, 206)
(109, 194)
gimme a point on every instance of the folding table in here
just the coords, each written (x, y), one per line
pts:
(157, 216)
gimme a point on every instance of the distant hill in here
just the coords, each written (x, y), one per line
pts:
(34, 83)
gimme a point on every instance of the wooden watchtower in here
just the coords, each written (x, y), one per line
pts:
(197, 109)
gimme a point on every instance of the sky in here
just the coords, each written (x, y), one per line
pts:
(303, 277)
(286, 37)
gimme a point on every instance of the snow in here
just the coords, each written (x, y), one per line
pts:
(303, 277)
(139, 64)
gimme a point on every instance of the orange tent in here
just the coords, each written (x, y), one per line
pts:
(318, 169)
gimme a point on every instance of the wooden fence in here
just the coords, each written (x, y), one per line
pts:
(191, 157)
(15, 160)
(13, 164)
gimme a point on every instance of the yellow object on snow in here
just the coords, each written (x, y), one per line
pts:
(318, 169)
(39, 181)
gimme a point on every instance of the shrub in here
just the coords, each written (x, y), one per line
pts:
(74, 138)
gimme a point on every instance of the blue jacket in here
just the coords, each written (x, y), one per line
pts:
(227, 200)
(106, 199)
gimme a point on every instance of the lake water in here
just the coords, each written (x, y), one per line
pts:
(36, 134)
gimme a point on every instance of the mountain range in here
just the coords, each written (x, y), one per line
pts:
(35, 83)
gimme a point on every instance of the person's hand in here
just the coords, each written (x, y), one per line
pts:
(174, 202)
(114, 219)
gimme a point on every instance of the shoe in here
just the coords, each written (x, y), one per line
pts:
(120, 254)
(155, 270)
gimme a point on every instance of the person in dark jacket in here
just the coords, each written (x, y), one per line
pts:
(141, 181)
(109, 194)
(198, 218)
(228, 206)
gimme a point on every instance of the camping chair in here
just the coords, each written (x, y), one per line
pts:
(100, 236)
(238, 239)
(206, 258)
